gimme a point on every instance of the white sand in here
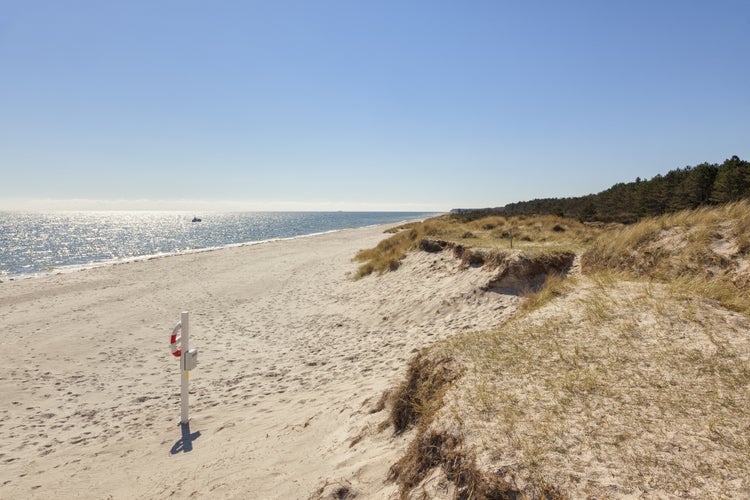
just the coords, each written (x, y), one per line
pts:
(293, 357)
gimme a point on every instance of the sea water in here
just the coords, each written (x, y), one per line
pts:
(40, 243)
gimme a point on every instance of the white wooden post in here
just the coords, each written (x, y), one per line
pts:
(184, 374)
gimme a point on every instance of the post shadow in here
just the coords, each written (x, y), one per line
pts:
(185, 443)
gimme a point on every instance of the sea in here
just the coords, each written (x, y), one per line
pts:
(38, 243)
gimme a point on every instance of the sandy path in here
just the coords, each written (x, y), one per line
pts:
(293, 357)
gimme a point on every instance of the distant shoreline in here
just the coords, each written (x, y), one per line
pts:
(140, 258)
(30, 252)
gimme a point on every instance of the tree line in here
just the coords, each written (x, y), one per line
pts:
(679, 189)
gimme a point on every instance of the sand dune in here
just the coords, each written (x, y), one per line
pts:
(294, 357)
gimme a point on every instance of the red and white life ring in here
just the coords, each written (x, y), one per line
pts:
(174, 339)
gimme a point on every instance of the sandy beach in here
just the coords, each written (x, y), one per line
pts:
(294, 357)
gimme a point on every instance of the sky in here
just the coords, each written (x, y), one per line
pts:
(361, 105)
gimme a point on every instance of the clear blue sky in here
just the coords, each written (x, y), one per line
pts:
(421, 105)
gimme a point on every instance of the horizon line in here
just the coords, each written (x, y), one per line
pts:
(206, 205)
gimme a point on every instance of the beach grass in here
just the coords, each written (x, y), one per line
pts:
(537, 233)
(628, 379)
(704, 251)
(622, 377)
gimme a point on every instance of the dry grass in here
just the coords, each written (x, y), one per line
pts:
(555, 286)
(610, 390)
(542, 233)
(603, 385)
(444, 451)
(416, 400)
(528, 232)
(387, 255)
(705, 251)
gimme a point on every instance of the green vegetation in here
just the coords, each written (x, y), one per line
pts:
(704, 251)
(680, 189)
(637, 365)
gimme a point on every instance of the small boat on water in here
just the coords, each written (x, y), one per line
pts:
(196, 219)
